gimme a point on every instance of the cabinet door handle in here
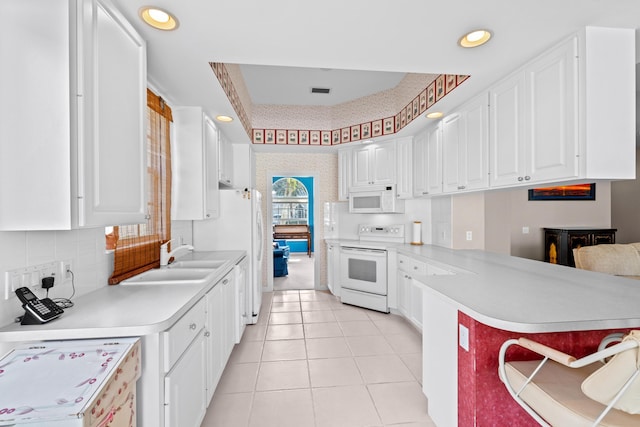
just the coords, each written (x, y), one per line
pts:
(527, 178)
(225, 281)
(425, 192)
(461, 187)
(520, 178)
(207, 334)
(193, 326)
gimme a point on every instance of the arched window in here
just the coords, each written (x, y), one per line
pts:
(290, 202)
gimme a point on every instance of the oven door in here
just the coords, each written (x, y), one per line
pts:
(363, 269)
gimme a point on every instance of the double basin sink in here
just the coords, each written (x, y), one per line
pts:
(179, 272)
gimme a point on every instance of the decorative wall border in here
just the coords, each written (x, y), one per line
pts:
(434, 92)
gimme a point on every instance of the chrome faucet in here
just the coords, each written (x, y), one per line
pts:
(165, 255)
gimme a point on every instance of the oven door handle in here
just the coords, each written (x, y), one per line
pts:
(351, 250)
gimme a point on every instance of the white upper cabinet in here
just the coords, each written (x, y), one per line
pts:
(374, 164)
(194, 150)
(534, 121)
(452, 152)
(434, 160)
(404, 168)
(427, 162)
(73, 153)
(506, 133)
(465, 147)
(555, 120)
(420, 165)
(344, 174)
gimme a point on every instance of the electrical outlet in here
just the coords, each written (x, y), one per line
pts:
(525, 230)
(469, 235)
(67, 268)
(464, 337)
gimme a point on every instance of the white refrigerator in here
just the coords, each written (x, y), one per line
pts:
(239, 227)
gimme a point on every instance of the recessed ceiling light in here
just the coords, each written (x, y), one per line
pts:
(224, 119)
(434, 115)
(158, 18)
(475, 38)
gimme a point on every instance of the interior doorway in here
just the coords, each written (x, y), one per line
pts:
(293, 207)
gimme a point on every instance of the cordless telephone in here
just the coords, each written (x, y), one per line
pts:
(37, 310)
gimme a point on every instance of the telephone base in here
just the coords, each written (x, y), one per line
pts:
(30, 319)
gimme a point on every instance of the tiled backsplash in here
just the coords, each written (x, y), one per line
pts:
(85, 248)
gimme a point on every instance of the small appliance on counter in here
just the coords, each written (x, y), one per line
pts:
(71, 383)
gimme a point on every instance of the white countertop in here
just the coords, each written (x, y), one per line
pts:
(523, 295)
(124, 310)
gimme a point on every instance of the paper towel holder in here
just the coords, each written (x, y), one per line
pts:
(417, 233)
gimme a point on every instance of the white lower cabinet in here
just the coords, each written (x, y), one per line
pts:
(412, 275)
(242, 302)
(184, 364)
(221, 330)
(185, 387)
(410, 298)
(333, 268)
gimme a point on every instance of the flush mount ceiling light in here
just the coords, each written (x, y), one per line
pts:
(158, 18)
(475, 38)
(434, 115)
(224, 119)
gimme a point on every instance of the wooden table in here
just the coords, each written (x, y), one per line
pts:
(293, 232)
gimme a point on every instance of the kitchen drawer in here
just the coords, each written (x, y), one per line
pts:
(179, 336)
(432, 270)
(411, 265)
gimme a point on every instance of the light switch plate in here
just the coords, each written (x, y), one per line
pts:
(30, 277)
(464, 337)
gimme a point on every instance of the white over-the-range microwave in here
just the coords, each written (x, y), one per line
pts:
(375, 199)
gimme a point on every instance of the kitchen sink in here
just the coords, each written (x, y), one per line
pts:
(167, 276)
(195, 263)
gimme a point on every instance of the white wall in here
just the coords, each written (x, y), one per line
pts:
(625, 207)
(496, 219)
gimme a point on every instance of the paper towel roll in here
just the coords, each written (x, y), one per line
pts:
(417, 233)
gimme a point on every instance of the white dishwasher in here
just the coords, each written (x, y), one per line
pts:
(71, 383)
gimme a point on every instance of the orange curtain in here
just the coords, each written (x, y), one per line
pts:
(137, 247)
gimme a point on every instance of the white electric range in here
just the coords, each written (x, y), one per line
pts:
(363, 265)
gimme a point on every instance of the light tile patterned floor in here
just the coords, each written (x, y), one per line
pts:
(314, 362)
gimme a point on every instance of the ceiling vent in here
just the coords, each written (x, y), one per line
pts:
(320, 90)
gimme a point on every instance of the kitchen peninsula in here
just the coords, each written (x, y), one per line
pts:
(491, 298)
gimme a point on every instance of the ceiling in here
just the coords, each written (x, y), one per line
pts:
(285, 46)
(272, 85)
